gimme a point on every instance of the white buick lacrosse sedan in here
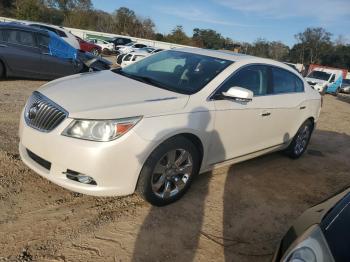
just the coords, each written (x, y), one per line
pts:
(154, 125)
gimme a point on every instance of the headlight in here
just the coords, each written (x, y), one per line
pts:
(100, 130)
(309, 247)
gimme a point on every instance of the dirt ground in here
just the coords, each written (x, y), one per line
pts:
(238, 213)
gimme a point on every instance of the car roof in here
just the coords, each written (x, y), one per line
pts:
(234, 56)
(15, 25)
(39, 23)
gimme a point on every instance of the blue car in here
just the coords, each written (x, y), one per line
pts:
(30, 52)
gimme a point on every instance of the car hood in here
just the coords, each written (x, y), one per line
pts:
(107, 95)
(315, 80)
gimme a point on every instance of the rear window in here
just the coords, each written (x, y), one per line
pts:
(285, 82)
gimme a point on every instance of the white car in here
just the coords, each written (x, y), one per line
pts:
(105, 45)
(130, 47)
(60, 31)
(154, 125)
(323, 78)
(133, 57)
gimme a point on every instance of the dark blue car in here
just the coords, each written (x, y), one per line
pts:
(30, 52)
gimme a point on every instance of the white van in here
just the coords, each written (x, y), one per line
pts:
(325, 80)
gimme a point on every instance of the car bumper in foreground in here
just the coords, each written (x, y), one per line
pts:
(114, 166)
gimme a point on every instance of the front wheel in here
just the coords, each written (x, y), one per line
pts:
(300, 141)
(168, 172)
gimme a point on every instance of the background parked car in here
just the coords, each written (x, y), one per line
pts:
(119, 58)
(321, 234)
(89, 47)
(133, 57)
(150, 50)
(32, 52)
(60, 31)
(325, 80)
(345, 86)
(131, 47)
(119, 41)
(106, 46)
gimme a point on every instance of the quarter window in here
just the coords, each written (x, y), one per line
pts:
(285, 82)
(254, 78)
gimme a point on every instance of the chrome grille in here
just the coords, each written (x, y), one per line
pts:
(43, 114)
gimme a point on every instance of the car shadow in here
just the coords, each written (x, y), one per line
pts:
(176, 228)
(344, 98)
(260, 199)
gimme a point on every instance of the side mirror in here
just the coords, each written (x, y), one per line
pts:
(239, 94)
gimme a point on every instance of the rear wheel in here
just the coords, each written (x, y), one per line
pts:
(300, 141)
(168, 172)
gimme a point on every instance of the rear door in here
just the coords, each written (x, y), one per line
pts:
(288, 105)
(21, 54)
(52, 66)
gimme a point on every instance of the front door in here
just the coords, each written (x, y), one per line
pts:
(242, 127)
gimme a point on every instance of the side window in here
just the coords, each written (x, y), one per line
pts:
(332, 79)
(61, 33)
(1, 36)
(128, 57)
(43, 42)
(26, 38)
(254, 78)
(10, 36)
(285, 82)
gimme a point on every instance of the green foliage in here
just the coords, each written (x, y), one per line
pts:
(178, 36)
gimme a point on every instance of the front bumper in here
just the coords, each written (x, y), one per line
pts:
(345, 90)
(115, 165)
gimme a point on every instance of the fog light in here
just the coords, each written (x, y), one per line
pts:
(81, 178)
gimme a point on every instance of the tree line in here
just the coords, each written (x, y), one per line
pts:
(314, 45)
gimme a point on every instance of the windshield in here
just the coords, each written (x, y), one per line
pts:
(319, 75)
(181, 72)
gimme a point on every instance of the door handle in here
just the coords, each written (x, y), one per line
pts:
(302, 107)
(265, 113)
(1, 45)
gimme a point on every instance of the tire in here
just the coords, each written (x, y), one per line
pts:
(2, 70)
(300, 141)
(164, 178)
(95, 52)
(336, 93)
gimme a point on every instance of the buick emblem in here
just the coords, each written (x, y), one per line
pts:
(33, 110)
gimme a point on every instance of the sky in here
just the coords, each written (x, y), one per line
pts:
(242, 20)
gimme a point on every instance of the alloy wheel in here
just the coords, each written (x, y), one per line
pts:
(171, 173)
(302, 140)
